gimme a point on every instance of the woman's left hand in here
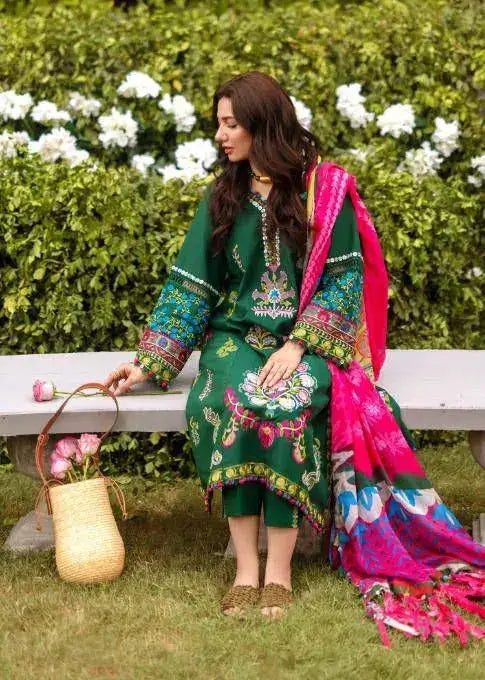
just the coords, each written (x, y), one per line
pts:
(281, 364)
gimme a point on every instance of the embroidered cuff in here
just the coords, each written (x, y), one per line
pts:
(160, 356)
(327, 333)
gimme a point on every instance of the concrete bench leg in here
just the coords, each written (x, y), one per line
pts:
(24, 537)
(477, 446)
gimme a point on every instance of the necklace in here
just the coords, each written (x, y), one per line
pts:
(261, 178)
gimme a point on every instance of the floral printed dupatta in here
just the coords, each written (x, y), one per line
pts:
(391, 534)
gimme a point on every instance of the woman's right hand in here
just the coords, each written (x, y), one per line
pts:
(123, 377)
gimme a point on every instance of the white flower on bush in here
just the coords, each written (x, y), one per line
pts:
(350, 105)
(81, 104)
(139, 85)
(58, 144)
(422, 161)
(474, 272)
(47, 113)
(359, 154)
(478, 164)
(303, 113)
(181, 109)
(9, 141)
(118, 129)
(171, 171)
(396, 119)
(14, 106)
(193, 159)
(141, 163)
(199, 153)
(445, 136)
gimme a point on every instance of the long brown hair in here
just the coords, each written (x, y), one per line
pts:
(280, 148)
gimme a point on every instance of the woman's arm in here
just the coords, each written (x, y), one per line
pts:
(329, 322)
(178, 320)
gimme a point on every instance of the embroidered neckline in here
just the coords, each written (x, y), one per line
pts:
(271, 260)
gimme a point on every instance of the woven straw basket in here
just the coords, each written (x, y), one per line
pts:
(89, 547)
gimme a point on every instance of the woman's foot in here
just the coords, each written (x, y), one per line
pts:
(238, 598)
(274, 599)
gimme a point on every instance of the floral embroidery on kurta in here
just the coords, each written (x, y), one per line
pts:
(194, 430)
(288, 394)
(228, 347)
(243, 418)
(208, 385)
(260, 338)
(237, 258)
(214, 419)
(276, 300)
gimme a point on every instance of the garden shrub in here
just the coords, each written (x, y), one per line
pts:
(84, 251)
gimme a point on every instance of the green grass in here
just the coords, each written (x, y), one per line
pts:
(161, 618)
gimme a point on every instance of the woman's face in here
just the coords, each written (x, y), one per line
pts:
(234, 139)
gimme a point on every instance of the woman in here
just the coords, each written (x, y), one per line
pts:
(282, 284)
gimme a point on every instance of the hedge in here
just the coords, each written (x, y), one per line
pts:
(84, 252)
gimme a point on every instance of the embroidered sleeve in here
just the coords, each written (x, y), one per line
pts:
(179, 319)
(328, 324)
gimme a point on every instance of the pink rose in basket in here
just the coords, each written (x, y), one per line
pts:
(59, 466)
(43, 390)
(67, 448)
(88, 445)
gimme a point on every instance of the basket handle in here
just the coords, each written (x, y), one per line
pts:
(43, 437)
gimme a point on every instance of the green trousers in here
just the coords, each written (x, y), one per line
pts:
(249, 498)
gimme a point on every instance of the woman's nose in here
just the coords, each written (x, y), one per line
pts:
(218, 137)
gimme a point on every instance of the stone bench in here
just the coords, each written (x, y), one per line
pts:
(436, 389)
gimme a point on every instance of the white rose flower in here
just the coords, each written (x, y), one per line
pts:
(396, 119)
(139, 85)
(350, 105)
(47, 113)
(81, 104)
(170, 171)
(199, 153)
(118, 129)
(14, 106)
(475, 271)
(53, 145)
(478, 163)
(74, 157)
(193, 160)
(422, 161)
(9, 141)
(165, 103)
(181, 109)
(141, 163)
(475, 180)
(303, 113)
(445, 136)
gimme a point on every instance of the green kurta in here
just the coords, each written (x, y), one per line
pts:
(239, 307)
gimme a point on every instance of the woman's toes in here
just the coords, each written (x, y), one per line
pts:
(272, 612)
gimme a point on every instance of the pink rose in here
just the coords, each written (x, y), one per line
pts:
(59, 466)
(67, 448)
(88, 445)
(43, 390)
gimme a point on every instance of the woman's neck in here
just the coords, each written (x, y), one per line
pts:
(262, 188)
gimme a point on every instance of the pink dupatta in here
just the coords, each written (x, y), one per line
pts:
(391, 534)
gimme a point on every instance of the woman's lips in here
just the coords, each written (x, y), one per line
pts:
(228, 149)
